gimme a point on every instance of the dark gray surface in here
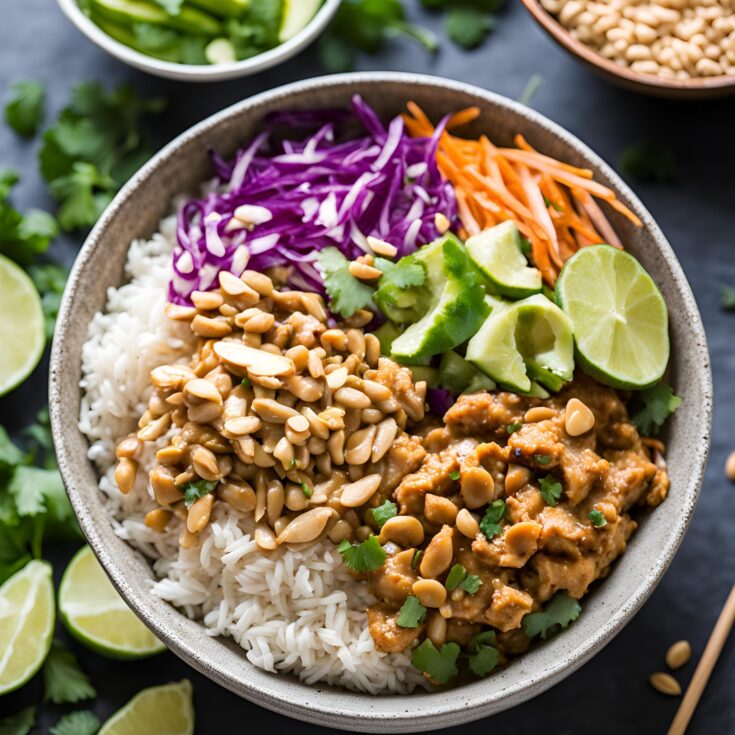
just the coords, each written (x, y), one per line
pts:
(610, 694)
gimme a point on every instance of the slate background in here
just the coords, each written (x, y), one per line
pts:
(609, 695)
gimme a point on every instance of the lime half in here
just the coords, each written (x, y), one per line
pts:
(96, 615)
(621, 325)
(26, 624)
(164, 710)
(296, 16)
(22, 331)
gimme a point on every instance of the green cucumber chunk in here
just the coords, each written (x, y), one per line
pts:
(455, 295)
(498, 254)
(621, 323)
(223, 8)
(188, 19)
(529, 339)
(459, 376)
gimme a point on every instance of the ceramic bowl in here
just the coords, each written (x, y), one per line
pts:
(698, 88)
(200, 73)
(136, 211)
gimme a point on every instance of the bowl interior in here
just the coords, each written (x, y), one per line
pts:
(698, 88)
(136, 212)
(201, 73)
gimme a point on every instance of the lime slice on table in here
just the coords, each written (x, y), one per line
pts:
(26, 624)
(97, 616)
(22, 330)
(498, 254)
(621, 325)
(164, 710)
(296, 15)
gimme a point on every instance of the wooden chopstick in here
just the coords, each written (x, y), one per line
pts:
(704, 668)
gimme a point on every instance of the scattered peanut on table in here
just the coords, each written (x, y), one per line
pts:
(674, 39)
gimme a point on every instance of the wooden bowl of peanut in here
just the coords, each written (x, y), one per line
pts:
(681, 49)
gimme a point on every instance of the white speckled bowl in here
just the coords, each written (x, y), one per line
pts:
(136, 211)
(205, 72)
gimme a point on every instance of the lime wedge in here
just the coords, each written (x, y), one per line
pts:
(96, 615)
(296, 16)
(26, 624)
(497, 253)
(621, 325)
(22, 331)
(164, 710)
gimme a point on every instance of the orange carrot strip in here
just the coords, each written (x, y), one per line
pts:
(463, 117)
(600, 221)
(521, 142)
(540, 213)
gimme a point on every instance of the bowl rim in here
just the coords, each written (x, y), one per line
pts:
(200, 72)
(321, 704)
(587, 54)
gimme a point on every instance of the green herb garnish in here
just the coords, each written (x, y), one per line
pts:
(411, 614)
(21, 723)
(63, 679)
(470, 584)
(306, 489)
(50, 281)
(384, 513)
(484, 657)
(347, 294)
(468, 27)
(657, 404)
(365, 557)
(438, 664)
(490, 524)
(598, 520)
(512, 428)
(454, 475)
(456, 575)
(195, 490)
(417, 558)
(24, 110)
(558, 614)
(542, 459)
(551, 489)
(246, 382)
(81, 722)
(649, 162)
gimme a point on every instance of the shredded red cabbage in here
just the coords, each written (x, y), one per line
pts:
(282, 200)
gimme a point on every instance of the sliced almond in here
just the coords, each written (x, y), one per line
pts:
(258, 362)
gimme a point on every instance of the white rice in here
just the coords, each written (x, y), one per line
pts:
(296, 611)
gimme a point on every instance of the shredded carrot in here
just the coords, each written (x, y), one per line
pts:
(552, 202)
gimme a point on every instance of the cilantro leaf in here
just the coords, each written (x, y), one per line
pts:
(63, 679)
(197, 489)
(470, 584)
(727, 297)
(384, 513)
(24, 110)
(8, 179)
(598, 520)
(512, 428)
(551, 489)
(529, 91)
(484, 660)
(456, 575)
(542, 459)
(20, 723)
(439, 665)
(50, 280)
(657, 404)
(81, 722)
(652, 162)
(490, 524)
(32, 486)
(454, 475)
(412, 613)
(10, 455)
(365, 557)
(403, 274)
(347, 294)
(468, 27)
(84, 193)
(558, 614)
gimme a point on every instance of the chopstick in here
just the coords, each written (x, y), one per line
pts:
(704, 668)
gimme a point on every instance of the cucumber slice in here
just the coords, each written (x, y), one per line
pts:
(124, 35)
(136, 11)
(386, 333)
(223, 8)
(297, 14)
(621, 324)
(456, 298)
(498, 254)
(529, 339)
(429, 375)
(220, 51)
(459, 376)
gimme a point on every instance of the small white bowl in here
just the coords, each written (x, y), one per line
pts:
(204, 72)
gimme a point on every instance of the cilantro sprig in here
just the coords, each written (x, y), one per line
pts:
(439, 664)
(491, 524)
(346, 293)
(411, 614)
(197, 489)
(551, 489)
(459, 578)
(81, 722)
(24, 109)
(365, 557)
(558, 614)
(383, 513)
(483, 655)
(597, 518)
(63, 679)
(21, 723)
(656, 405)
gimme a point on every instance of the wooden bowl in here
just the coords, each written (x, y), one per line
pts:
(685, 89)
